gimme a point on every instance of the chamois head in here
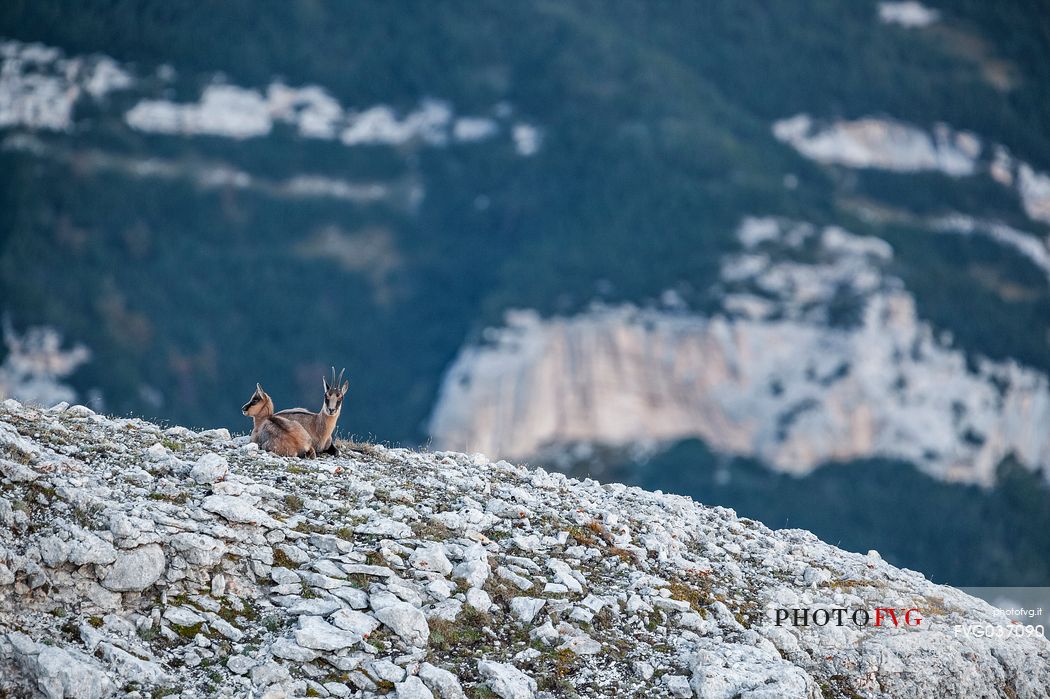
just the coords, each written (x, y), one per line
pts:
(333, 394)
(260, 404)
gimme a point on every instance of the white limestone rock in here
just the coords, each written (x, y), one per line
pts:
(386, 670)
(678, 685)
(136, 569)
(240, 664)
(57, 672)
(90, 548)
(406, 621)
(318, 606)
(890, 386)
(266, 674)
(581, 644)
(431, 558)
(564, 574)
(478, 599)
(385, 527)
(317, 634)
(441, 681)
(354, 621)
(210, 468)
(199, 549)
(526, 608)
(53, 551)
(290, 650)
(182, 616)
(412, 688)
(507, 681)
(237, 509)
(474, 573)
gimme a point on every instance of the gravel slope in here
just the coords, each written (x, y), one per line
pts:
(141, 561)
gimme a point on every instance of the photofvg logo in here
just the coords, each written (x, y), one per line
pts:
(1026, 612)
(879, 617)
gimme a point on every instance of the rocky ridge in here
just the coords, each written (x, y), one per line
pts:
(142, 561)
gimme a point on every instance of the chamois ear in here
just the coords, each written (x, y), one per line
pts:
(259, 389)
(344, 388)
(325, 382)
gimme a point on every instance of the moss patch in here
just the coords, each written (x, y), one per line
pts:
(281, 560)
(465, 631)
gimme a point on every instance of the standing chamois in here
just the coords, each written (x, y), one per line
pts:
(321, 425)
(277, 434)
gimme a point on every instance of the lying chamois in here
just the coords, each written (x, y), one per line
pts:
(321, 426)
(277, 434)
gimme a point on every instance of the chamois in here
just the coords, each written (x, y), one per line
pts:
(321, 425)
(277, 434)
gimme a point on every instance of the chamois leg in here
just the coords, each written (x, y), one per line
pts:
(308, 454)
(331, 449)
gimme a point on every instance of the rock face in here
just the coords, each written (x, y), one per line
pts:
(36, 363)
(888, 144)
(39, 87)
(119, 572)
(777, 375)
(909, 13)
(882, 143)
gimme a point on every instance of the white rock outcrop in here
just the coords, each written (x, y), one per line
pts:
(888, 144)
(36, 364)
(39, 85)
(774, 375)
(232, 111)
(908, 13)
(109, 588)
(882, 143)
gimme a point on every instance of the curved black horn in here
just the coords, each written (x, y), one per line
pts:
(340, 379)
